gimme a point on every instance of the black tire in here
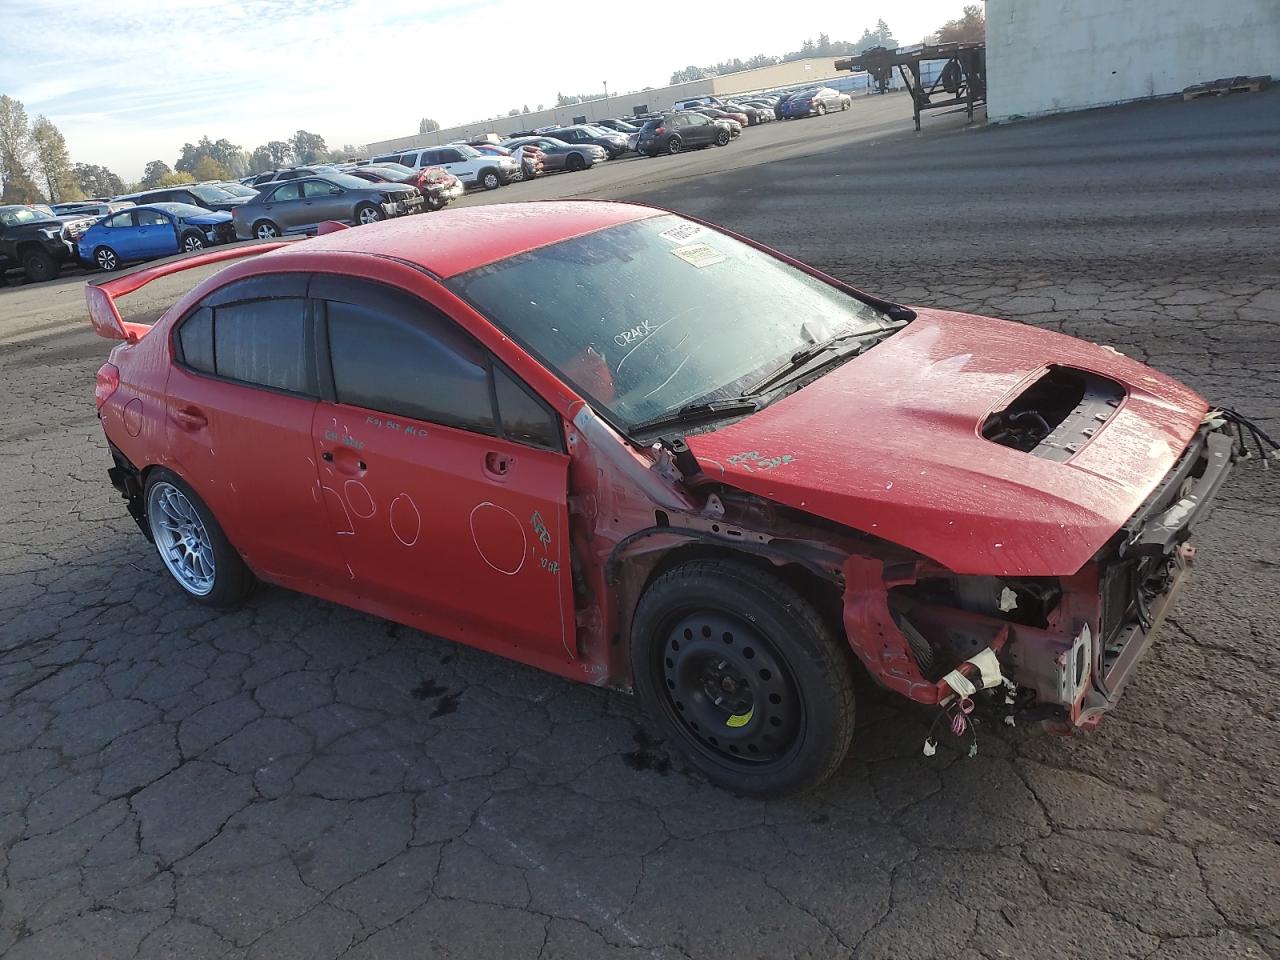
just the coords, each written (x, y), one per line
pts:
(489, 179)
(106, 259)
(192, 241)
(575, 162)
(39, 265)
(782, 715)
(232, 581)
(265, 230)
(722, 138)
(675, 145)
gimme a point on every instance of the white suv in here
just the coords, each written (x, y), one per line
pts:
(470, 166)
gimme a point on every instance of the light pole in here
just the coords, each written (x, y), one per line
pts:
(606, 98)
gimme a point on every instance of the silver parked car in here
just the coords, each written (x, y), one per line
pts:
(297, 206)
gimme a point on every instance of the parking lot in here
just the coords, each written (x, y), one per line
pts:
(298, 780)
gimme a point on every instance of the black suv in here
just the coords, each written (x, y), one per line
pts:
(36, 242)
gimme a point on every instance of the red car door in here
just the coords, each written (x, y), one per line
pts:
(241, 400)
(448, 514)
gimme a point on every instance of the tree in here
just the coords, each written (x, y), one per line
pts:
(689, 73)
(427, 125)
(175, 179)
(210, 169)
(513, 112)
(971, 27)
(229, 156)
(52, 161)
(525, 108)
(823, 49)
(15, 150)
(153, 174)
(96, 181)
(309, 147)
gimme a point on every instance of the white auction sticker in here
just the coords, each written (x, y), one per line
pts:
(699, 254)
(681, 234)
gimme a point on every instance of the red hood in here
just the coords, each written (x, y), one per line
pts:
(890, 444)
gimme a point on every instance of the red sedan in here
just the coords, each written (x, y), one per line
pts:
(642, 452)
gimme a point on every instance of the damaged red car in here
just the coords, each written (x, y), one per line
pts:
(643, 452)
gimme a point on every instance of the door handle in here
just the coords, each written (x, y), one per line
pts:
(327, 456)
(497, 465)
(189, 418)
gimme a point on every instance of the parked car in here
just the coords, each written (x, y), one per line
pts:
(299, 206)
(529, 166)
(35, 241)
(613, 143)
(290, 173)
(532, 159)
(90, 208)
(152, 231)
(624, 127)
(464, 162)
(691, 103)
(735, 121)
(193, 194)
(235, 189)
(754, 115)
(785, 476)
(814, 103)
(675, 132)
(558, 155)
(437, 186)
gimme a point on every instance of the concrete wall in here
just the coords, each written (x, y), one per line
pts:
(1044, 56)
(813, 70)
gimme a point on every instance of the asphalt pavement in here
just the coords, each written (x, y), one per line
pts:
(298, 780)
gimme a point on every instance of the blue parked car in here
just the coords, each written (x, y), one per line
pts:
(152, 231)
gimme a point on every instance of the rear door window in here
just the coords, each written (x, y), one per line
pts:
(264, 342)
(287, 191)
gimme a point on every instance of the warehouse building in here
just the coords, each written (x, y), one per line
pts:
(1046, 56)
(796, 72)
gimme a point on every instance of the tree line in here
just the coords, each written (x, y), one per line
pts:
(36, 167)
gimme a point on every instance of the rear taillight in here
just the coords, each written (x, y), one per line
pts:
(107, 382)
(660, 131)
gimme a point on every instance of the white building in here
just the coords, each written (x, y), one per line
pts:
(1045, 56)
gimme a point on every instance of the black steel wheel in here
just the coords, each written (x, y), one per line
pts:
(744, 675)
(575, 162)
(39, 266)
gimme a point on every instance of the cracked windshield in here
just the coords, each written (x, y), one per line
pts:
(647, 317)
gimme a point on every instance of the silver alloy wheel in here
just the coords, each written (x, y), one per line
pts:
(181, 538)
(106, 258)
(369, 215)
(266, 231)
(192, 242)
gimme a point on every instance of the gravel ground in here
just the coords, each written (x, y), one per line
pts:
(297, 780)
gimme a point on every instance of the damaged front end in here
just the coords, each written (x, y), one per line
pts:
(1068, 644)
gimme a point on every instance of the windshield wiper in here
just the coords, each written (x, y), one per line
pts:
(805, 355)
(704, 410)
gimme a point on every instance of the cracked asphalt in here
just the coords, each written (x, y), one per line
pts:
(298, 780)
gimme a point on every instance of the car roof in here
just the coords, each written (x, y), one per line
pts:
(453, 241)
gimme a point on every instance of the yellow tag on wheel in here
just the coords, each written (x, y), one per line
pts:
(740, 719)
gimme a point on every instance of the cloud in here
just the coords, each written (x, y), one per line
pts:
(133, 80)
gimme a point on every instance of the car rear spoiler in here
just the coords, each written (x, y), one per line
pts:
(101, 295)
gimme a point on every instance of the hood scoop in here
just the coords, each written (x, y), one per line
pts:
(1057, 415)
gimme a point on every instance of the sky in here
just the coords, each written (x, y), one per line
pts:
(132, 80)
